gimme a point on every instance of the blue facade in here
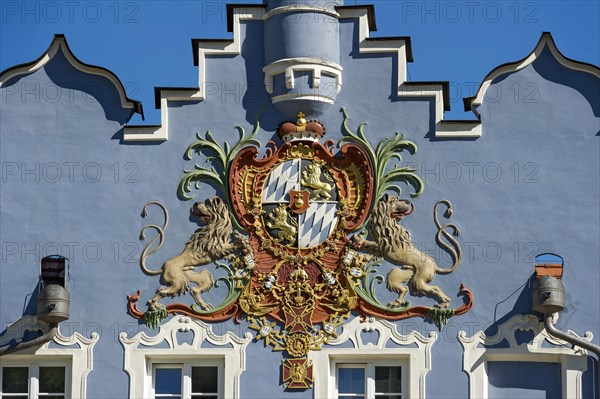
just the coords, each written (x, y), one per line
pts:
(75, 178)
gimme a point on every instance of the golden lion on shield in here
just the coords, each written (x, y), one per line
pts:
(392, 242)
(311, 177)
(279, 221)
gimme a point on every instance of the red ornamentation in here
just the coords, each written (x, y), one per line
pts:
(367, 309)
(288, 128)
(181, 309)
(313, 272)
(299, 202)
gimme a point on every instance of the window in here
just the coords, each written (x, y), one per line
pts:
(369, 381)
(34, 381)
(185, 381)
(543, 357)
(181, 370)
(394, 367)
(57, 371)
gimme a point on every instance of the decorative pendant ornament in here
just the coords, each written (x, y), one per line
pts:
(297, 373)
(298, 273)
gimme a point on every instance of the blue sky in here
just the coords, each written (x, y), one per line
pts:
(147, 43)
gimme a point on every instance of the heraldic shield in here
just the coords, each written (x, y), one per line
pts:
(300, 218)
(298, 204)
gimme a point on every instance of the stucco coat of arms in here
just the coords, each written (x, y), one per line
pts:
(301, 231)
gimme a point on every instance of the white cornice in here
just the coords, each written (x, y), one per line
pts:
(468, 129)
(59, 43)
(141, 133)
(204, 48)
(300, 8)
(396, 46)
(546, 41)
(459, 130)
(233, 47)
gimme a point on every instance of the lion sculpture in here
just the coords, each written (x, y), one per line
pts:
(393, 242)
(209, 243)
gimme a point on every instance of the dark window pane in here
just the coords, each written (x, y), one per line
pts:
(351, 380)
(204, 379)
(52, 397)
(14, 379)
(168, 381)
(388, 379)
(388, 396)
(351, 397)
(203, 397)
(52, 379)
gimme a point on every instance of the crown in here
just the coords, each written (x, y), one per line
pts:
(302, 129)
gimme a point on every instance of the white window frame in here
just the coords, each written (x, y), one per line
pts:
(573, 361)
(34, 375)
(141, 358)
(415, 361)
(369, 367)
(75, 353)
(186, 374)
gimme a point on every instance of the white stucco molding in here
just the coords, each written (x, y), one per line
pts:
(140, 354)
(546, 41)
(228, 47)
(140, 133)
(82, 359)
(477, 353)
(59, 43)
(450, 129)
(76, 351)
(290, 66)
(294, 8)
(399, 47)
(202, 49)
(417, 359)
